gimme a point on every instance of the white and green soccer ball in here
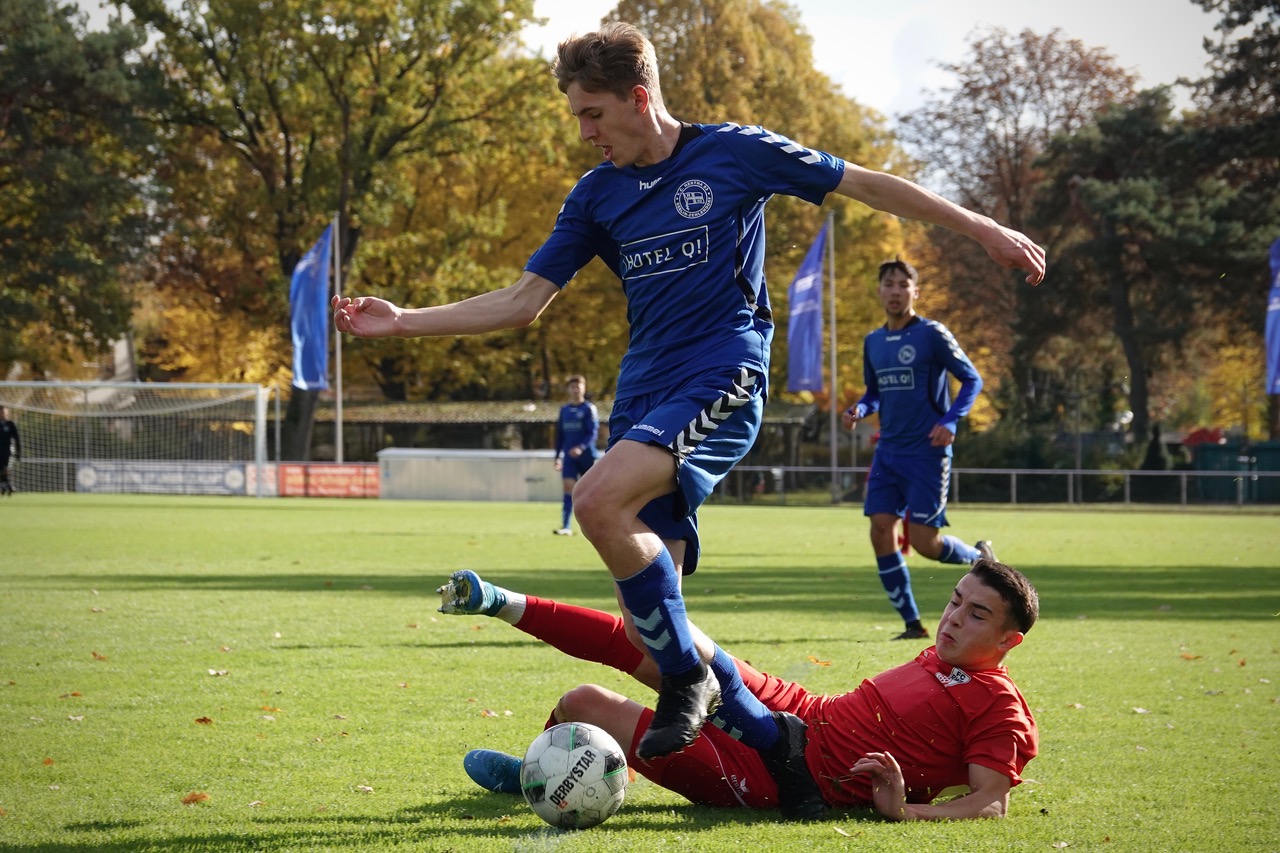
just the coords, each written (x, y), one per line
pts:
(574, 775)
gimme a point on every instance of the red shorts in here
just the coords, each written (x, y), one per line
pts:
(716, 770)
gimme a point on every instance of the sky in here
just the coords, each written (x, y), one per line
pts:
(884, 54)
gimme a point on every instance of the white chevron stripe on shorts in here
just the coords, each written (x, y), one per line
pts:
(717, 413)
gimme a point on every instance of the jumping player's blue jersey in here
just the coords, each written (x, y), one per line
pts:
(906, 375)
(578, 425)
(686, 237)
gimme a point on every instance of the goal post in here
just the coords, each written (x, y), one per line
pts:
(139, 437)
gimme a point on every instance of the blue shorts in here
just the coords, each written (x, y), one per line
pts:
(900, 483)
(709, 424)
(573, 467)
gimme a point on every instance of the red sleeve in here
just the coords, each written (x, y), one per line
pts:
(1003, 736)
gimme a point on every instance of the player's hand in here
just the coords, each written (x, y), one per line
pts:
(559, 465)
(849, 417)
(888, 788)
(940, 436)
(365, 316)
(575, 452)
(1015, 250)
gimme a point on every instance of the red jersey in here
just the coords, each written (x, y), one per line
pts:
(934, 719)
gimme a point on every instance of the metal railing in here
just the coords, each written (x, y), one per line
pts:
(819, 485)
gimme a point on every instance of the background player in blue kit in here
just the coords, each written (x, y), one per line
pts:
(676, 210)
(577, 429)
(906, 363)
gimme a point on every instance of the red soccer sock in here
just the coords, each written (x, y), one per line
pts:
(581, 632)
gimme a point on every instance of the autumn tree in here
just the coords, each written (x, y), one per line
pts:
(75, 156)
(1238, 123)
(1140, 224)
(303, 109)
(979, 141)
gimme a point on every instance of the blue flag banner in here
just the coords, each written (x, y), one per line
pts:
(1273, 323)
(309, 306)
(804, 329)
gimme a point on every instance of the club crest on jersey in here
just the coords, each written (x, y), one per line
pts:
(907, 354)
(957, 677)
(693, 199)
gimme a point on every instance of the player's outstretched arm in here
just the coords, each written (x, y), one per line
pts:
(1008, 248)
(512, 307)
(988, 792)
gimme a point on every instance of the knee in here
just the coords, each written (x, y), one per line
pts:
(591, 507)
(585, 703)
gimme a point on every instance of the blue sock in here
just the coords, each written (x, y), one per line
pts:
(957, 551)
(896, 579)
(741, 716)
(566, 511)
(653, 598)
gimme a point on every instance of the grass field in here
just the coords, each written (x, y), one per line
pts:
(282, 661)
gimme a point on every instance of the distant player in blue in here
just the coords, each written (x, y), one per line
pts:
(577, 429)
(676, 210)
(906, 363)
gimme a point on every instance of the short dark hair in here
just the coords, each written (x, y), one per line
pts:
(613, 59)
(1014, 588)
(898, 265)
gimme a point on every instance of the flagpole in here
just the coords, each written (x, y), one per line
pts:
(337, 343)
(832, 397)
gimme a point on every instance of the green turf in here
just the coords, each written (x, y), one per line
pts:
(339, 704)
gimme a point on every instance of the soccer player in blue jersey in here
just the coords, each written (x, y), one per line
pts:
(676, 210)
(577, 429)
(906, 364)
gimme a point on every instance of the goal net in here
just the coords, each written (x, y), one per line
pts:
(140, 437)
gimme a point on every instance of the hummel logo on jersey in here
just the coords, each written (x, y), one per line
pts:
(648, 185)
(957, 677)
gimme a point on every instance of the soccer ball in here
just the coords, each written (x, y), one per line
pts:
(574, 775)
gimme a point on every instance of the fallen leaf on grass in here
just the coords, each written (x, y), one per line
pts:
(47, 762)
(488, 713)
(76, 718)
(217, 673)
(195, 797)
(73, 694)
(339, 716)
(846, 833)
(1141, 711)
(1060, 845)
(1242, 661)
(268, 708)
(204, 721)
(256, 803)
(268, 718)
(364, 789)
(97, 656)
(813, 660)
(2, 811)
(97, 610)
(1189, 656)
(1075, 705)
